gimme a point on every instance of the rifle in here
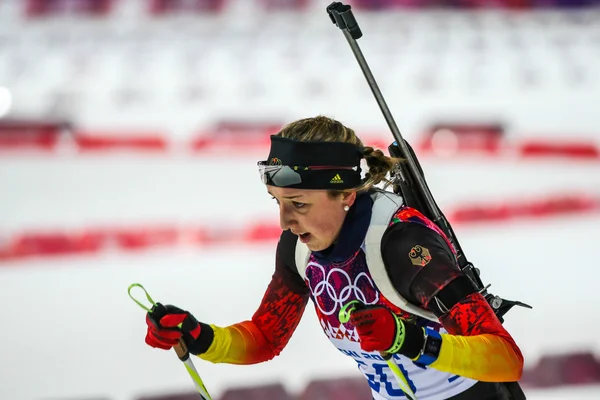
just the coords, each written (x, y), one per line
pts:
(408, 180)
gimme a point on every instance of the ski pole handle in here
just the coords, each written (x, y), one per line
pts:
(180, 348)
(344, 316)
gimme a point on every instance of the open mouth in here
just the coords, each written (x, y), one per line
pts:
(304, 237)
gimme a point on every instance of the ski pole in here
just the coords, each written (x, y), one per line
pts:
(181, 349)
(344, 317)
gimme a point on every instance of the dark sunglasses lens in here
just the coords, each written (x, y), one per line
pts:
(279, 175)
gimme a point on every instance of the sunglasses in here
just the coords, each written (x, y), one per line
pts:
(287, 175)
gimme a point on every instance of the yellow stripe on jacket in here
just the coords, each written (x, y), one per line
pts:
(478, 346)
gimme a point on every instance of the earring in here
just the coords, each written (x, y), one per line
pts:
(346, 208)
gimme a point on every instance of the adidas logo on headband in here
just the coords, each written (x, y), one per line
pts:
(336, 179)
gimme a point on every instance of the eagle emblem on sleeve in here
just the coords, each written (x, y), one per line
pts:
(419, 255)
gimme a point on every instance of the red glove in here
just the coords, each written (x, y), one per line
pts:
(377, 328)
(381, 330)
(164, 331)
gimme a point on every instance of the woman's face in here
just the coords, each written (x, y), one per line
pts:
(313, 215)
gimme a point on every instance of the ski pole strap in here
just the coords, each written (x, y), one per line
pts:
(139, 303)
(347, 310)
(400, 334)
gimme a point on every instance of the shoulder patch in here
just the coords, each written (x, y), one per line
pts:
(419, 255)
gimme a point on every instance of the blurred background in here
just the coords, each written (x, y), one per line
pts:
(129, 135)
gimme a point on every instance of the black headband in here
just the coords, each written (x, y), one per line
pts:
(295, 152)
(312, 165)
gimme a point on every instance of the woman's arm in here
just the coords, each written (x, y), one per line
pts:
(268, 332)
(477, 345)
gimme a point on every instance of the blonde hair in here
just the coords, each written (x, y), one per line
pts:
(326, 129)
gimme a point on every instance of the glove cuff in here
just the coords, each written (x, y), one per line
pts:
(204, 340)
(398, 337)
(410, 339)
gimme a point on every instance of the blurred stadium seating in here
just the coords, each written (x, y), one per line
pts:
(550, 372)
(571, 370)
(118, 69)
(85, 76)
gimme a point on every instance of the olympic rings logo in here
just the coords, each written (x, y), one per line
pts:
(349, 288)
